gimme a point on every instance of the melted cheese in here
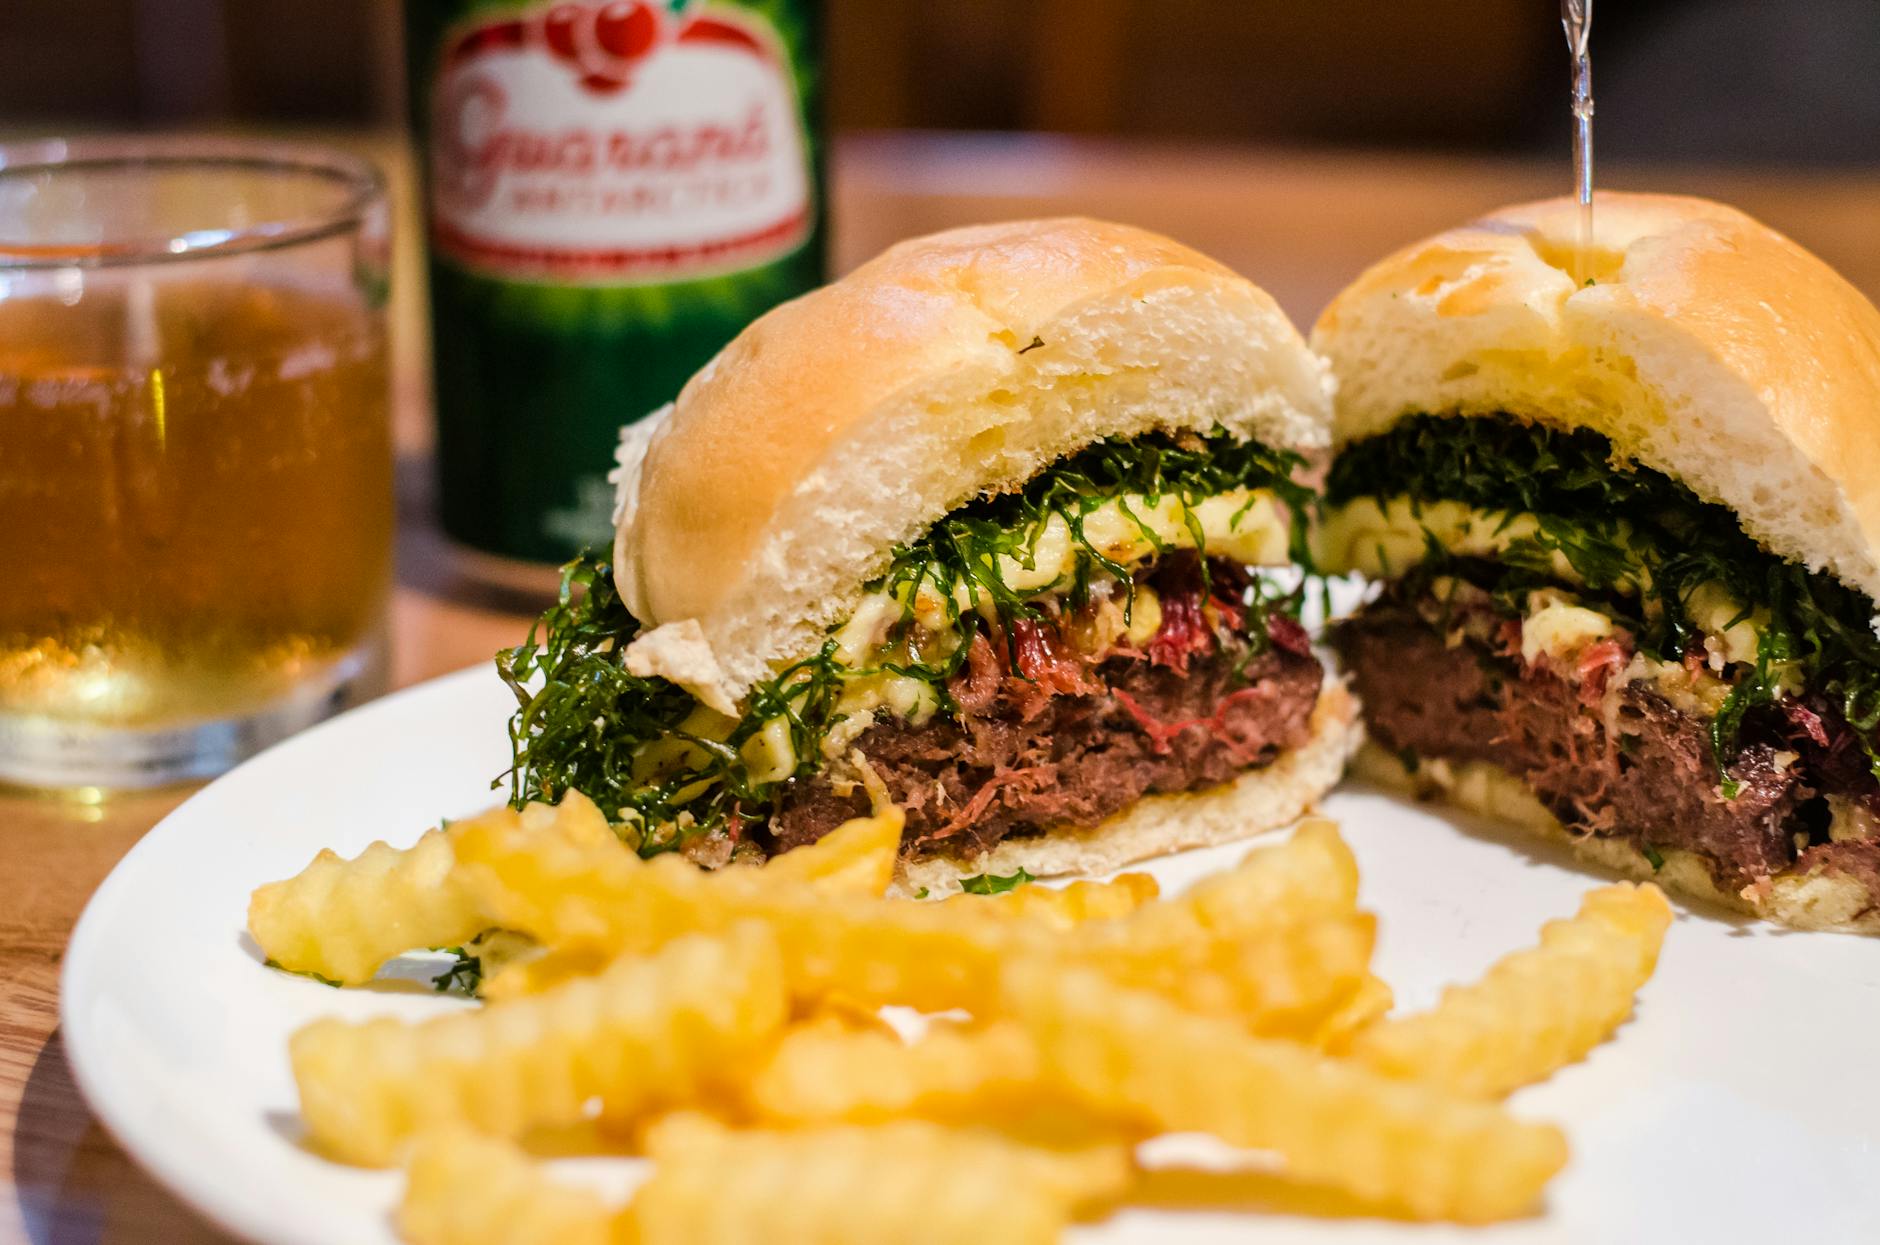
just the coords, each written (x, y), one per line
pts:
(1696, 692)
(671, 754)
(862, 698)
(1251, 526)
(770, 755)
(1556, 628)
(859, 637)
(1383, 539)
(1728, 635)
(1850, 820)
(1145, 617)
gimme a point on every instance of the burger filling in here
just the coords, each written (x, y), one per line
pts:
(1594, 628)
(1037, 659)
(1068, 725)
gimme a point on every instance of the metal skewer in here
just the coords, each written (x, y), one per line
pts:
(1577, 17)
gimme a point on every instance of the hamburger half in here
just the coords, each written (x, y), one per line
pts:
(1000, 528)
(1623, 510)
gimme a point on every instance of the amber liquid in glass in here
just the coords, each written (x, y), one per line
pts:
(195, 499)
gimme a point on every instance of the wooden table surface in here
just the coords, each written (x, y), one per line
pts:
(1301, 225)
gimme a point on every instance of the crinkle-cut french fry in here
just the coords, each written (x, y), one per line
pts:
(537, 973)
(574, 819)
(856, 858)
(829, 1073)
(1311, 876)
(341, 919)
(1275, 942)
(643, 1035)
(564, 895)
(836, 1011)
(572, 894)
(1334, 1122)
(567, 894)
(1639, 911)
(871, 950)
(1066, 907)
(500, 950)
(544, 972)
(1273, 975)
(937, 957)
(910, 1182)
(463, 1188)
(1280, 984)
(1363, 1007)
(1536, 1010)
(880, 952)
(1250, 1191)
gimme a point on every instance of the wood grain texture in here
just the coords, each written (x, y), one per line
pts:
(1300, 225)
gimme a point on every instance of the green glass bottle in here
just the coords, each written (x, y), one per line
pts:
(613, 190)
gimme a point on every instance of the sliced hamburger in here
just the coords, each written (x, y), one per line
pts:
(1622, 509)
(1000, 528)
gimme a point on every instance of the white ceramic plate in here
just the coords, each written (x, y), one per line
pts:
(1742, 1103)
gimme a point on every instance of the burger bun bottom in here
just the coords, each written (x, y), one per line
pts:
(1817, 901)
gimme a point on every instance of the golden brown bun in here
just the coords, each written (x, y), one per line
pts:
(851, 419)
(1820, 900)
(1256, 802)
(1708, 347)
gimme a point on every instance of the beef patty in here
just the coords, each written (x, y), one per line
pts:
(1653, 780)
(1025, 755)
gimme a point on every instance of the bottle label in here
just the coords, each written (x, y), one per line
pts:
(617, 143)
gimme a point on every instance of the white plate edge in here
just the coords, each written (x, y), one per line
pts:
(145, 1150)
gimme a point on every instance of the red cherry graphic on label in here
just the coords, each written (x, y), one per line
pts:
(600, 84)
(489, 39)
(558, 30)
(626, 29)
(711, 30)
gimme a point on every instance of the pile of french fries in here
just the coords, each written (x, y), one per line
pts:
(729, 1026)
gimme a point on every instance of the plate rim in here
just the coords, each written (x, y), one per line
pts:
(226, 1200)
(177, 1178)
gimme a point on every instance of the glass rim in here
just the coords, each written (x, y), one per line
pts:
(363, 184)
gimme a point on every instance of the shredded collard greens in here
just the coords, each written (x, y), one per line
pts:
(1642, 543)
(585, 722)
(995, 884)
(309, 974)
(464, 976)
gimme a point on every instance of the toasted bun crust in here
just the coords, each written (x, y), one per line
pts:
(854, 417)
(1709, 347)
(1257, 801)
(1819, 901)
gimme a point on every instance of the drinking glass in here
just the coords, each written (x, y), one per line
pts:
(195, 453)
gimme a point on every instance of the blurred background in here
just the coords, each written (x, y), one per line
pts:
(1790, 82)
(1294, 140)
